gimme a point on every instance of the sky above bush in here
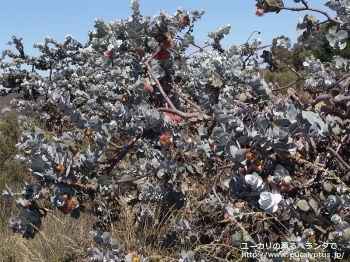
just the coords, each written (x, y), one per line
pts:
(34, 20)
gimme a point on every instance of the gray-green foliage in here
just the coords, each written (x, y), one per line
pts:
(179, 118)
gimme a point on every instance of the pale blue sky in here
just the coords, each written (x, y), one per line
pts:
(35, 19)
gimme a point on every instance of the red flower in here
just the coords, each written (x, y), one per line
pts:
(70, 205)
(183, 21)
(108, 53)
(259, 12)
(149, 87)
(162, 54)
(165, 139)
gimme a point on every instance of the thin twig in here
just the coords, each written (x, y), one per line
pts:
(341, 142)
(119, 157)
(338, 157)
(334, 84)
(289, 85)
(331, 173)
(213, 188)
(177, 112)
(305, 3)
(180, 94)
(201, 49)
(130, 180)
(300, 78)
(115, 146)
(299, 9)
(226, 166)
(153, 55)
(6, 158)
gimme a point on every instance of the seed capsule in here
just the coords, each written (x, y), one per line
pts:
(125, 98)
(88, 132)
(250, 156)
(58, 167)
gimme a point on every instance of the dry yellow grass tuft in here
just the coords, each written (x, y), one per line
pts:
(62, 239)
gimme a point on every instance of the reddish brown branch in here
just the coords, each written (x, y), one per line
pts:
(153, 55)
(226, 166)
(180, 94)
(300, 78)
(115, 146)
(338, 157)
(130, 180)
(289, 85)
(114, 161)
(150, 71)
(173, 109)
(334, 84)
(177, 112)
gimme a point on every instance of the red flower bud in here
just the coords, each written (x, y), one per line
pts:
(163, 54)
(108, 53)
(182, 21)
(259, 12)
(149, 87)
(165, 139)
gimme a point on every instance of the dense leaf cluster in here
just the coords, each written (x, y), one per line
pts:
(131, 118)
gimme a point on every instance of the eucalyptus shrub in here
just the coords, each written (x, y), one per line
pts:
(136, 119)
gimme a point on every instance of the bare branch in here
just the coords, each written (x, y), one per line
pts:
(334, 84)
(215, 183)
(300, 78)
(115, 146)
(149, 69)
(289, 85)
(338, 157)
(226, 166)
(115, 160)
(176, 112)
(299, 9)
(180, 94)
(130, 180)
(341, 142)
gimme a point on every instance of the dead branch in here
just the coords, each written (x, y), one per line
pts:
(299, 9)
(115, 160)
(213, 188)
(130, 180)
(338, 157)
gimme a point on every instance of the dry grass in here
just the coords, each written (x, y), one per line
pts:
(129, 235)
(5, 101)
(65, 239)
(62, 239)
